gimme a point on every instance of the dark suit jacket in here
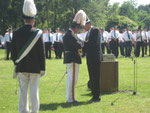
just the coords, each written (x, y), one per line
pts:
(92, 46)
(71, 47)
(34, 62)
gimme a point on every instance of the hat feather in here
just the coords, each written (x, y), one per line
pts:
(80, 17)
(29, 8)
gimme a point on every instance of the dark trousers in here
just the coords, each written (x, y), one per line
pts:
(8, 49)
(149, 48)
(103, 47)
(58, 46)
(83, 54)
(56, 49)
(128, 48)
(145, 47)
(48, 49)
(114, 47)
(137, 50)
(60, 51)
(94, 75)
(122, 48)
(108, 48)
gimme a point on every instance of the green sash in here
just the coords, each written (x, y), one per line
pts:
(29, 45)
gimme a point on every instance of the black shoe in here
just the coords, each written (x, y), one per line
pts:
(76, 101)
(95, 100)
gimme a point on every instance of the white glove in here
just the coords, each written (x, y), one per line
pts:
(42, 73)
(14, 74)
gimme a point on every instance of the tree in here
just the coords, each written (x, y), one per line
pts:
(97, 12)
(60, 13)
(122, 22)
(143, 15)
(4, 15)
(145, 8)
(128, 9)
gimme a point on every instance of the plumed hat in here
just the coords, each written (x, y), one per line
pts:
(80, 18)
(29, 9)
(87, 20)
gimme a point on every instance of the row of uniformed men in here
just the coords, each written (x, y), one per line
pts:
(49, 38)
(113, 39)
(109, 40)
(53, 40)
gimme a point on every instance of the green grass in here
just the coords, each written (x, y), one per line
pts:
(125, 102)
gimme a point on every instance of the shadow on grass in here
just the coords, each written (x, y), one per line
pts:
(102, 93)
(2, 58)
(108, 93)
(81, 86)
(54, 106)
(87, 94)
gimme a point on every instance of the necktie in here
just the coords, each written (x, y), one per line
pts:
(87, 35)
(102, 37)
(128, 34)
(57, 37)
(49, 37)
(9, 37)
(145, 35)
(114, 34)
(141, 37)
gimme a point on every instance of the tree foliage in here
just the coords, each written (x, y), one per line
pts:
(122, 22)
(60, 13)
(128, 9)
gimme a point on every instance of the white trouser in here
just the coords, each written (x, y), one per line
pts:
(72, 71)
(26, 80)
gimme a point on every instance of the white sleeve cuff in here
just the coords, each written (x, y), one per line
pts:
(42, 73)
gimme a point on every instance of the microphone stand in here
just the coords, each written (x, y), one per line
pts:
(135, 74)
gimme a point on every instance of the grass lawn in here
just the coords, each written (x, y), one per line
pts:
(124, 102)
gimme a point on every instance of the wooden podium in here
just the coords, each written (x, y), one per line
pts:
(109, 76)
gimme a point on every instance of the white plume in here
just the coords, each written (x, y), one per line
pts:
(80, 17)
(29, 8)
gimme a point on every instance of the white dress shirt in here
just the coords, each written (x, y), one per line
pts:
(57, 37)
(138, 35)
(121, 39)
(148, 34)
(82, 36)
(134, 36)
(51, 37)
(46, 37)
(8, 37)
(127, 36)
(144, 35)
(114, 34)
(103, 37)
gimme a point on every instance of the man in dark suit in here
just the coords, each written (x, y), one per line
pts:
(30, 68)
(92, 47)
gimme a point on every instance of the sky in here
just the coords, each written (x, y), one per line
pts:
(139, 2)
